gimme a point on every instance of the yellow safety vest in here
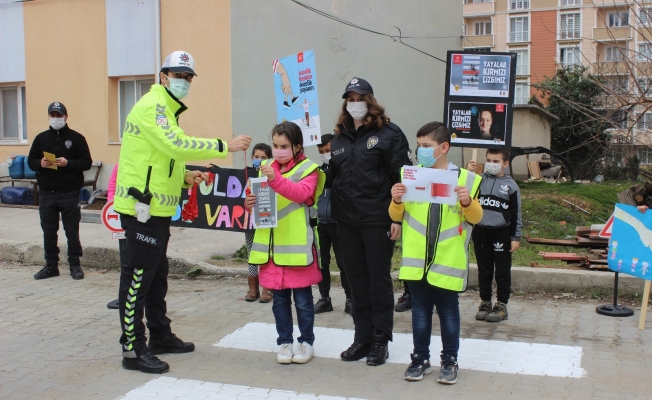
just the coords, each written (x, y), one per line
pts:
(449, 269)
(290, 243)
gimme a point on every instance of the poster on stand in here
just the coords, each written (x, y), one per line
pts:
(295, 83)
(630, 247)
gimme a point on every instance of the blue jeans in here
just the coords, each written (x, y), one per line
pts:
(424, 298)
(282, 308)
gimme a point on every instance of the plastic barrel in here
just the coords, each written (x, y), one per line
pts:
(17, 195)
(17, 168)
(29, 174)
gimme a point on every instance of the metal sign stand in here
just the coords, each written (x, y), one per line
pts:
(615, 309)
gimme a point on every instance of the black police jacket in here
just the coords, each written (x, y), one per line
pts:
(62, 143)
(364, 166)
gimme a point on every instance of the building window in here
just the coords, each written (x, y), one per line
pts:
(519, 30)
(522, 61)
(645, 52)
(519, 4)
(645, 122)
(617, 84)
(614, 53)
(570, 56)
(645, 15)
(565, 3)
(482, 28)
(569, 26)
(644, 154)
(13, 126)
(131, 90)
(521, 93)
(618, 19)
(644, 86)
(617, 118)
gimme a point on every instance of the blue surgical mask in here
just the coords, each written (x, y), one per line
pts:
(426, 156)
(257, 162)
(178, 87)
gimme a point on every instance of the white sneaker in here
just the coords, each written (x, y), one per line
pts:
(285, 354)
(305, 353)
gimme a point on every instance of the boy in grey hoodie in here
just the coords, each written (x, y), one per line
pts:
(497, 235)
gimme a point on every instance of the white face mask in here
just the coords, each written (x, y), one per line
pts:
(325, 158)
(57, 123)
(493, 168)
(178, 87)
(357, 109)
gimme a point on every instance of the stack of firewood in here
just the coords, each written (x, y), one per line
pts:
(637, 195)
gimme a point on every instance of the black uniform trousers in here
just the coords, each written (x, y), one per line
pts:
(367, 256)
(66, 204)
(143, 283)
(492, 253)
(327, 238)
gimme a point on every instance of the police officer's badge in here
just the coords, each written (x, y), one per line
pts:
(161, 120)
(68, 144)
(372, 141)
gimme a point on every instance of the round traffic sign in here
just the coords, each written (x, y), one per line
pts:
(111, 219)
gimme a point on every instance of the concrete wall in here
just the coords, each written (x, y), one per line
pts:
(409, 84)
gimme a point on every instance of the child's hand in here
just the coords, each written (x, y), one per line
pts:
(642, 209)
(395, 231)
(398, 191)
(268, 171)
(463, 194)
(472, 166)
(250, 201)
(515, 245)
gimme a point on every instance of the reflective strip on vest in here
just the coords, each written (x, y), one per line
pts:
(414, 224)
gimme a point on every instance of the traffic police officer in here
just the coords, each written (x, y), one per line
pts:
(151, 175)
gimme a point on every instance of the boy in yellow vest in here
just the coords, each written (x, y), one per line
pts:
(435, 255)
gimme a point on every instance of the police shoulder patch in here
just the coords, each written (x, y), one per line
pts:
(372, 141)
(161, 120)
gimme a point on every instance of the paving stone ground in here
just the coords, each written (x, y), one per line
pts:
(58, 340)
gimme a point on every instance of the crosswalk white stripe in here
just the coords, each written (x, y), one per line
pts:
(474, 354)
(167, 387)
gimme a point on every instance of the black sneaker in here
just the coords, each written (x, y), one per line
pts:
(47, 272)
(356, 352)
(170, 344)
(404, 303)
(448, 372)
(379, 351)
(417, 368)
(285, 103)
(294, 99)
(323, 305)
(146, 363)
(76, 272)
(347, 306)
(113, 305)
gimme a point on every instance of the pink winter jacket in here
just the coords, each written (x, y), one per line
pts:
(112, 179)
(272, 276)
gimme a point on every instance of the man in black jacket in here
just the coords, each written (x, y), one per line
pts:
(59, 185)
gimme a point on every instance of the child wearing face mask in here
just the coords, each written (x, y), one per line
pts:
(327, 229)
(260, 152)
(497, 235)
(287, 254)
(434, 260)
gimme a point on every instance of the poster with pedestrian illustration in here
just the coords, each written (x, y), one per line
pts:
(479, 99)
(630, 247)
(295, 84)
(265, 210)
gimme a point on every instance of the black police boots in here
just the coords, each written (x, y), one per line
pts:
(169, 344)
(47, 272)
(379, 351)
(146, 363)
(356, 352)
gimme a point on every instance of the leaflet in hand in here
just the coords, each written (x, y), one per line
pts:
(265, 209)
(429, 185)
(51, 158)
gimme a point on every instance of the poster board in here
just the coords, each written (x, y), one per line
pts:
(630, 247)
(479, 98)
(429, 185)
(295, 84)
(221, 204)
(265, 211)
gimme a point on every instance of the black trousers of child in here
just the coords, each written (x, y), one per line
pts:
(367, 255)
(143, 283)
(492, 252)
(328, 238)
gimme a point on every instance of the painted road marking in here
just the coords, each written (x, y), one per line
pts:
(169, 388)
(474, 354)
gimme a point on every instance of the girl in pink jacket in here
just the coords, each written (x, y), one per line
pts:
(286, 282)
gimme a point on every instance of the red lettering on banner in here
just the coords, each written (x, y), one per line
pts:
(237, 213)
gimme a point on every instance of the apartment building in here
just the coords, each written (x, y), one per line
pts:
(549, 34)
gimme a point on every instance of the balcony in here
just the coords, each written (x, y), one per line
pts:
(607, 68)
(612, 34)
(611, 3)
(517, 37)
(478, 9)
(478, 41)
(570, 34)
